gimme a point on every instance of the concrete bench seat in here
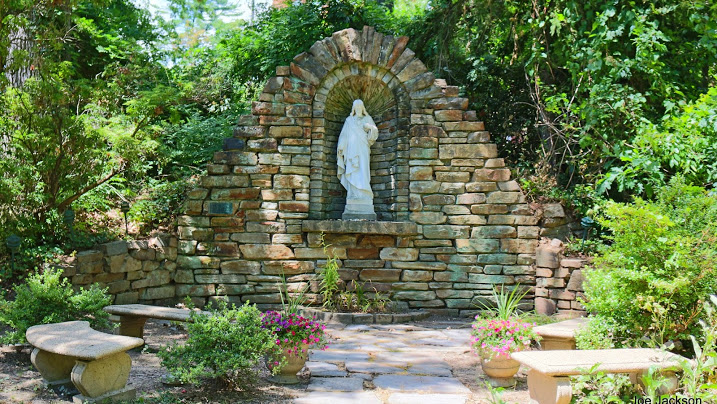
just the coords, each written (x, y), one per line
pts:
(550, 371)
(560, 335)
(132, 317)
(96, 363)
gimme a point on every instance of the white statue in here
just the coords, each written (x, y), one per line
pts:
(353, 159)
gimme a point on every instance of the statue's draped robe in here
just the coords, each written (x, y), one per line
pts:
(353, 155)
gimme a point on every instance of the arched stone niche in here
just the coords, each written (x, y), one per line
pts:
(387, 102)
(452, 223)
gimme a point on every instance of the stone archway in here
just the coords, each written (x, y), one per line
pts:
(452, 223)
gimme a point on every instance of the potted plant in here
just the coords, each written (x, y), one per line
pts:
(295, 335)
(499, 333)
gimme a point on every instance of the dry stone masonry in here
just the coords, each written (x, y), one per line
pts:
(451, 221)
(132, 271)
(559, 281)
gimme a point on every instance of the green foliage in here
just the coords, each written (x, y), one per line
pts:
(506, 303)
(699, 376)
(46, 298)
(330, 279)
(653, 279)
(291, 302)
(569, 84)
(683, 143)
(594, 387)
(596, 335)
(280, 34)
(229, 345)
(163, 203)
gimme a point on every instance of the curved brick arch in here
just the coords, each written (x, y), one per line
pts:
(464, 225)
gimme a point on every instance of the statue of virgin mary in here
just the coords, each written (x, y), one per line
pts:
(353, 158)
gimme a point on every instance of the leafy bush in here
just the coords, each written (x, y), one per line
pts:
(595, 387)
(229, 345)
(596, 335)
(46, 298)
(652, 281)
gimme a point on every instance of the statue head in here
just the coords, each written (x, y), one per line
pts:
(358, 109)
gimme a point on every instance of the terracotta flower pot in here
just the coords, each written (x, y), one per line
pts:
(500, 370)
(294, 364)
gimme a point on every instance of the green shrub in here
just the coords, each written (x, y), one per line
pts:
(46, 298)
(595, 387)
(654, 278)
(228, 344)
(597, 334)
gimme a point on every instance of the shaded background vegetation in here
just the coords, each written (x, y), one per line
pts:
(103, 103)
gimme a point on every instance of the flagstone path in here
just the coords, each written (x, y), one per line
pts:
(425, 362)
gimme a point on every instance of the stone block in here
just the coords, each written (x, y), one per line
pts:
(416, 276)
(264, 251)
(289, 267)
(240, 267)
(286, 131)
(252, 238)
(544, 306)
(196, 262)
(163, 292)
(439, 199)
(547, 257)
(320, 253)
(421, 173)
(424, 187)
(504, 197)
(399, 254)
(572, 263)
(475, 245)
(494, 232)
(467, 219)
(491, 279)
(445, 231)
(576, 281)
(362, 253)
(113, 248)
(476, 150)
(195, 290)
(550, 283)
(380, 275)
(292, 181)
(414, 295)
(428, 217)
(490, 174)
(184, 276)
(553, 210)
(543, 272)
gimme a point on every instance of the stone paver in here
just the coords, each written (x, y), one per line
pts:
(321, 397)
(404, 398)
(335, 384)
(324, 369)
(398, 364)
(427, 384)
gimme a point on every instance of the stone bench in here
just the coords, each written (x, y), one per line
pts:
(560, 335)
(550, 371)
(131, 317)
(96, 363)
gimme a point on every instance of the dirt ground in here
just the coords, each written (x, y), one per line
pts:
(21, 383)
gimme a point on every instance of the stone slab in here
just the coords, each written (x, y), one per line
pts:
(335, 384)
(76, 339)
(325, 369)
(320, 397)
(144, 310)
(428, 384)
(362, 227)
(562, 329)
(570, 362)
(437, 369)
(337, 356)
(374, 367)
(405, 398)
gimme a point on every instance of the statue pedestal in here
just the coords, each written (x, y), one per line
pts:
(359, 209)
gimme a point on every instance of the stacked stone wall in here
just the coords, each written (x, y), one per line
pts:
(452, 225)
(133, 271)
(559, 281)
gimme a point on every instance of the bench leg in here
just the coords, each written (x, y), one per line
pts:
(54, 368)
(102, 377)
(548, 390)
(131, 326)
